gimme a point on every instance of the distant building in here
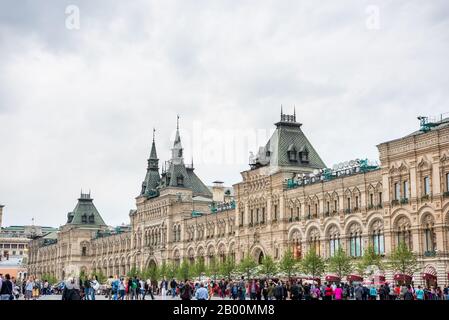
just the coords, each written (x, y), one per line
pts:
(14, 241)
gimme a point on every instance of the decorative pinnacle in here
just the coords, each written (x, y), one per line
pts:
(177, 122)
(154, 130)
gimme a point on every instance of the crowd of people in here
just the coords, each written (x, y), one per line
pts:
(30, 289)
(135, 288)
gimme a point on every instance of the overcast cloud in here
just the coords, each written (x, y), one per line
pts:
(77, 107)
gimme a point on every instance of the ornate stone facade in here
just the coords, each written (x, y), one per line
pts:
(281, 202)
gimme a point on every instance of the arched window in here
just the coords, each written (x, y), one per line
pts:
(334, 240)
(378, 237)
(314, 241)
(355, 241)
(429, 235)
(403, 232)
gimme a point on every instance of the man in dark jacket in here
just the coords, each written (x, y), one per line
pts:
(71, 290)
(294, 291)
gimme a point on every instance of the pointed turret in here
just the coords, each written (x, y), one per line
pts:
(177, 156)
(152, 177)
(177, 174)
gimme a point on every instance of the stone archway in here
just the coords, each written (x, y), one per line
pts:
(258, 255)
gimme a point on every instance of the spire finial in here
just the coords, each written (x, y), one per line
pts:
(281, 110)
(192, 162)
(294, 112)
(154, 130)
(177, 122)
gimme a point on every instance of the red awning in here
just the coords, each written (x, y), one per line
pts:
(333, 278)
(354, 277)
(428, 276)
(402, 277)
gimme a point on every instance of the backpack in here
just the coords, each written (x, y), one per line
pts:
(134, 285)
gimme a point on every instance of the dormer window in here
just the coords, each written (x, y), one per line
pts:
(304, 155)
(180, 180)
(84, 218)
(291, 153)
(92, 218)
(180, 153)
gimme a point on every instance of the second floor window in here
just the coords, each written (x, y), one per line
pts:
(405, 186)
(447, 182)
(397, 191)
(426, 186)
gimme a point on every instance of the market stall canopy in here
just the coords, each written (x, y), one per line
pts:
(403, 277)
(332, 278)
(354, 277)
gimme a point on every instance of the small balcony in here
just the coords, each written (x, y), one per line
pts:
(395, 203)
(348, 211)
(404, 201)
(446, 194)
(425, 197)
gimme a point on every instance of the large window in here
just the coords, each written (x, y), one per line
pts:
(426, 186)
(447, 182)
(429, 239)
(404, 236)
(397, 191)
(378, 243)
(406, 192)
(334, 243)
(355, 242)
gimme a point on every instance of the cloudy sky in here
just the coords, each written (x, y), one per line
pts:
(79, 97)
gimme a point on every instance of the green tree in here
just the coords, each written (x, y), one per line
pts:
(268, 266)
(313, 264)
(227, 267)
(162, 270)
(288, 263)
(184, 270)
(133, 272)
(199, 267)
(152, 273)
(172, 270)
(369, 259)
(340, 263)
(247, 265)
(213, 268)
(403, 260)
(101, 277)
(50, 278)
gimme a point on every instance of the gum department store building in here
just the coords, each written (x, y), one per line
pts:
(286, 199)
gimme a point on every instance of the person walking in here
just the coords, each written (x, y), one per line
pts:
(6, 289)
(419, 293)
(202, 293)
(338, 293)
(328, 293)
(373, 293)
(29, 288)
(186, 291)
(71, 290)
(95, 285)
(358, 292)
(164, 285)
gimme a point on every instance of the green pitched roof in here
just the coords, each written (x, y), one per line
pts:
(152, 178)
(85, 213)
(288, 137)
